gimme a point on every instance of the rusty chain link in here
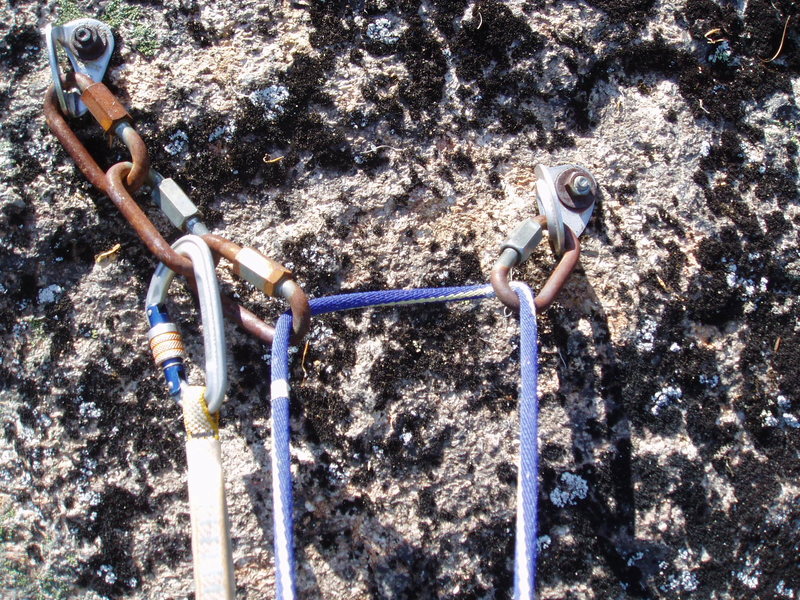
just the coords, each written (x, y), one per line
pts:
(125, 178)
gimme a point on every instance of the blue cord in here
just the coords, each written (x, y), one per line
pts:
(527, 483)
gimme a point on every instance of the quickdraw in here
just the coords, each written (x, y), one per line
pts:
(565, 197)
(211, 544)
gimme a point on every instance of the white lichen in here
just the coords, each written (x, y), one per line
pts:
(712, 381)
(791, 420)
(271, 100)
(634, 558)
(646, 336)
(543, 542)
(178, 143)
(89, 410)
(106, 572)
(572, 488)
(749, 287)
(768, 419)
(384, 31)
(224, 132)
(684, 581)
(750, 574)
(49, 294)
(665, 397)
(784, 591)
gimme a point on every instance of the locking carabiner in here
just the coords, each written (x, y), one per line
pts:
(565, 196)
(165, 339)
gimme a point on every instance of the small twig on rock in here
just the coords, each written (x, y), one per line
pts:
(303, 360)
(108, 254)
(783, 41)
(715, 36)
(382, 147)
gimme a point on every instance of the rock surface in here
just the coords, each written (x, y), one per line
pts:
(391, 143)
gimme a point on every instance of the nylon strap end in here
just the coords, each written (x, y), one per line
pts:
(199, 423)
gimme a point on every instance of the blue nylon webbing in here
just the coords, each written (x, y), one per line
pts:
(527, 482)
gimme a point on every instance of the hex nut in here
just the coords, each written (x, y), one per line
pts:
(576, 188)
(104, 106)
(174, 203)
(264, 273)
(88, 43)
(524, 239)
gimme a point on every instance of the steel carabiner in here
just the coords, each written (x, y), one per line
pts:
(565, 196)
(165, 340)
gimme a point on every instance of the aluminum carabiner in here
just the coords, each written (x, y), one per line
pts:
(165, 339)
(565, 196)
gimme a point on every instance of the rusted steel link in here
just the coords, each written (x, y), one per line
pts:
(74, 147)
(162, 250)
(152, 238)
(110, 113)
(267, 275)
(125, 174)
(547, 295)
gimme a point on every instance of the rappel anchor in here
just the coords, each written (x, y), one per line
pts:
(565, 196)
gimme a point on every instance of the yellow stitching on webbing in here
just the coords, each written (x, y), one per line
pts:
(196, 418)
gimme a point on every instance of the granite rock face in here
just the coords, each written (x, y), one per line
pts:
(391, 143)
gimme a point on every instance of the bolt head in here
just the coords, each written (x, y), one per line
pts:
(582, 185)
(83, 35)
(87, 43)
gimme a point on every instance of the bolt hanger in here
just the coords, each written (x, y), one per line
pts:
(89, 44)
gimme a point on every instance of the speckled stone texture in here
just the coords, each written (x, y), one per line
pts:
(391, 143)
